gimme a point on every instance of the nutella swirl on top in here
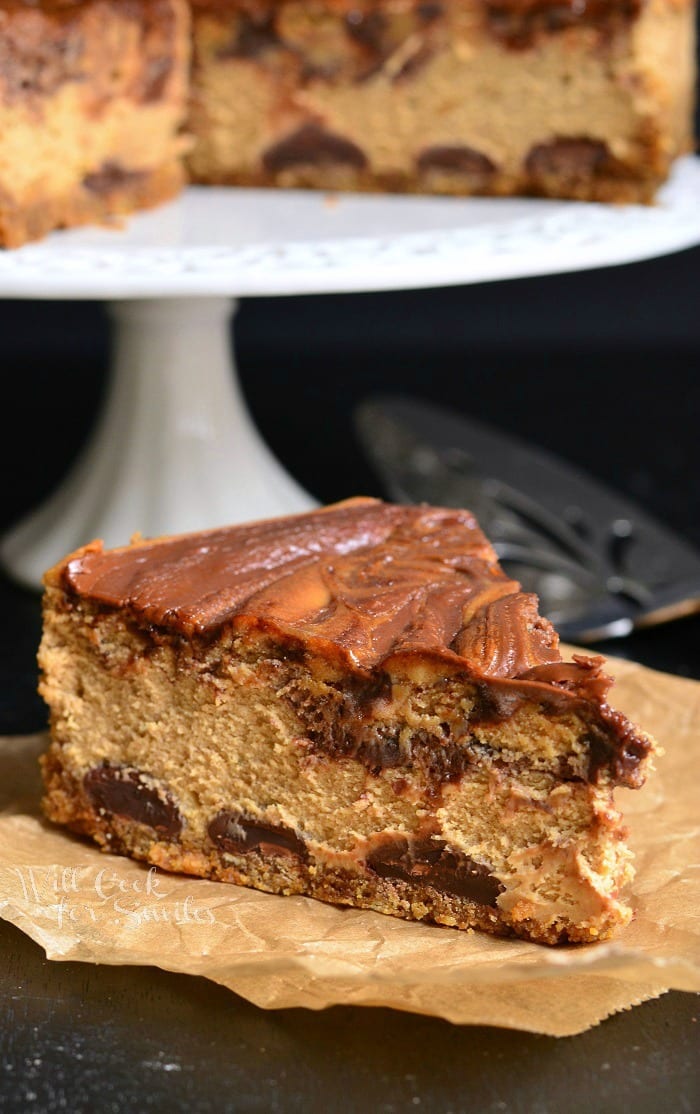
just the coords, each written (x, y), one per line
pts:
(374, 579)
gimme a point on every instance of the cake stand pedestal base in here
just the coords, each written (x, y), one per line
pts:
(174, 449)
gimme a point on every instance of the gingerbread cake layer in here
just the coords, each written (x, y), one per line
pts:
(92, 105)
(356, 704)
(546, 97)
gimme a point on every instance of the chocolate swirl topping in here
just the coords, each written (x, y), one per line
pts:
(364, 580)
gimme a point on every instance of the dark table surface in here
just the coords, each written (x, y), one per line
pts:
(603, 368)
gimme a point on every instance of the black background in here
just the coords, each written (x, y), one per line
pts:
(602, 367)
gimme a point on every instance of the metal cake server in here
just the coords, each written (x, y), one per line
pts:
(600, 565)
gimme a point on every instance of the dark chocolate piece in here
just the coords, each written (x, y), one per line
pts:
(457, 159)
(111, 176)
(231, 831)
(619, 754)
(432, 862)
(572, 160)
(122, 791)
(312, 145)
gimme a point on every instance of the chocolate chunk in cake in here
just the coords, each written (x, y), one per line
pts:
(356, 704)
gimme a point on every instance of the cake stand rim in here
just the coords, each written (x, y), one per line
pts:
(543, 237)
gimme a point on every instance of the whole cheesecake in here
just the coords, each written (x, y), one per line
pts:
(356, 704)
(108, 106)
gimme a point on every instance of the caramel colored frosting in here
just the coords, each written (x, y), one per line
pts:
(368, 579)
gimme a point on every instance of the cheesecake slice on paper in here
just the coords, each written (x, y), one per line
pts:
(356, 704)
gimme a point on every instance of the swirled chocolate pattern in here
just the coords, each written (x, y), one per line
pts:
(371, 579)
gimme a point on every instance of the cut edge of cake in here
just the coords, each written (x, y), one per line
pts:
(483, 97)
(93, 107)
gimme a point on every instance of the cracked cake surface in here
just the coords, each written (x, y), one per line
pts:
(356, 704)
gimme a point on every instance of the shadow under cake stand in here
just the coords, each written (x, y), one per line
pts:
(175, 447)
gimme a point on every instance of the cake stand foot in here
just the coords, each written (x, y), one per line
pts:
(174, 449)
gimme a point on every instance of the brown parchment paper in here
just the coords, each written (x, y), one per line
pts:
(80, 904)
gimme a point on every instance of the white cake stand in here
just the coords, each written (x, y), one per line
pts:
(175, 447)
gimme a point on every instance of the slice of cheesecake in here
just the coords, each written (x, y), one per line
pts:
(589, 100)
(93, 97)
(356, 704)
